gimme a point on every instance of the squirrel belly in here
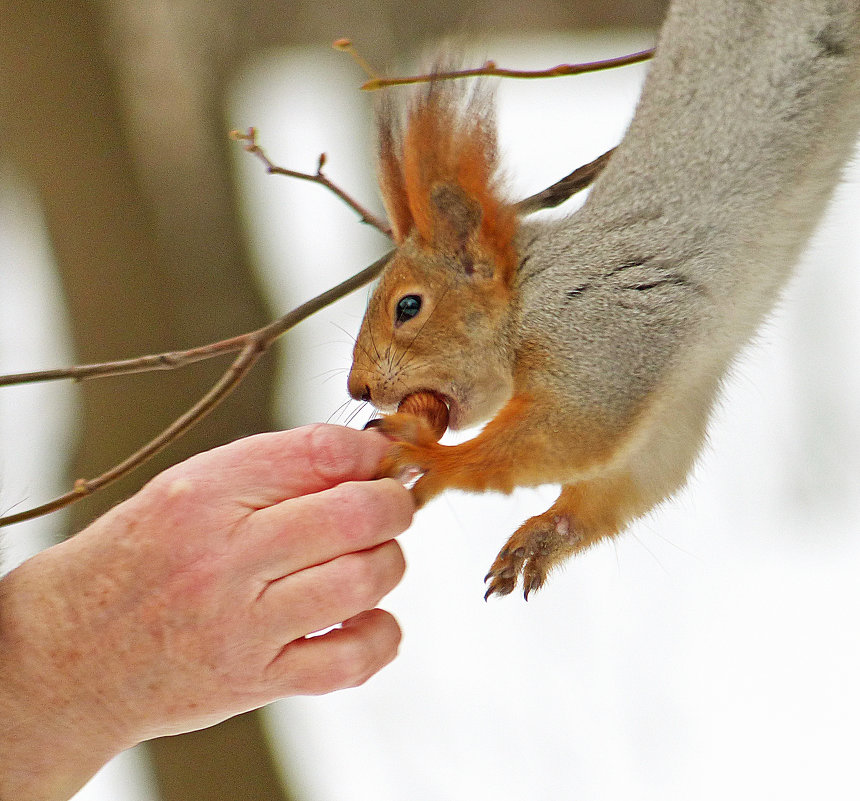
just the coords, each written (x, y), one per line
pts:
(597, 343)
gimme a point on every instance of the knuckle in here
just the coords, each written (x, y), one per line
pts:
(357, 506)
(355, 659)
(375, 506)
(330, 456)
(352, 494)
(360, 584)
(321, 595)
(173, 486)
(398, 566)
(357, 662)
(401, 502)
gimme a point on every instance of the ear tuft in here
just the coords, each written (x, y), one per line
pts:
(440, 178)
(390, 173)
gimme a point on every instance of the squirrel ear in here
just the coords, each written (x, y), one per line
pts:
(439, 179)
(457, 216)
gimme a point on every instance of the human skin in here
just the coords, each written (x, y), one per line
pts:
(189, 603)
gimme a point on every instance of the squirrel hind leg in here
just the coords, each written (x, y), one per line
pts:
(584, 513)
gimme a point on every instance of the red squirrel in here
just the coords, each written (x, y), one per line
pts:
(596, 344)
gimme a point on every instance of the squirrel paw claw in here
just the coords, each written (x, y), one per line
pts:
(536, 547)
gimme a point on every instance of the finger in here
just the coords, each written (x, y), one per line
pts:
(328, 594)
(344, 657)
(268, 468)
(290, 536)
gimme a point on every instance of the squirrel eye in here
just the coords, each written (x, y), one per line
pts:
(407, 307)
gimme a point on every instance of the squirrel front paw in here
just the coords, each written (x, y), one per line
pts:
(541, 543)
(411, 455)
(407, 462)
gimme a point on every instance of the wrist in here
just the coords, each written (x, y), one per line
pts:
(57, 729)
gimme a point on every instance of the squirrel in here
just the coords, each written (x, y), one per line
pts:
(596, 344)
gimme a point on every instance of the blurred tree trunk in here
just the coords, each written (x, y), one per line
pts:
(151, 257)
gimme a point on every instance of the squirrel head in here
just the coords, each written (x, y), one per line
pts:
(438, 318)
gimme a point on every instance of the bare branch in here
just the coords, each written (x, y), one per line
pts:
(143, 364)
(249, 137)
(491, 69)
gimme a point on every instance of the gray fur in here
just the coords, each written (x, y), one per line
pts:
(749, 112)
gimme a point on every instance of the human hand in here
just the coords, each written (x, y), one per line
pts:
(190, 602)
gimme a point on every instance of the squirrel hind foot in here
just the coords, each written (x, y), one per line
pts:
(541, 543)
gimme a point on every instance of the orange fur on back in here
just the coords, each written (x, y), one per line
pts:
(447, 140)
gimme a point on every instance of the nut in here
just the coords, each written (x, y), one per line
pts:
(429, 407)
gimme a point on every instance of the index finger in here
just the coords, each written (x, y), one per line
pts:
(265, 469)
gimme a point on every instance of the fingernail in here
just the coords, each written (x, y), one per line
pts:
(408, 476)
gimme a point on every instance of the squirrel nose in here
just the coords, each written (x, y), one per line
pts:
(358, 390)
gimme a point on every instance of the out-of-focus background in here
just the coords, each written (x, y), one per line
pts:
(711, 652)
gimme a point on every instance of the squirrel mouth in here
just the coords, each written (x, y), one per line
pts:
(452, 407)
(431, 406)
(454, 410)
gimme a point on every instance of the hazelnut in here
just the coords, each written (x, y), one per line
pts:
(429, 407)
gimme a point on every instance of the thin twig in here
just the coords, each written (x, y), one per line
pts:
(346, 46)
(568, 186)
(249, 137)
(143, 364)
(490, 69)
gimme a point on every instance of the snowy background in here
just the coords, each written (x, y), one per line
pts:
(711, 652)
